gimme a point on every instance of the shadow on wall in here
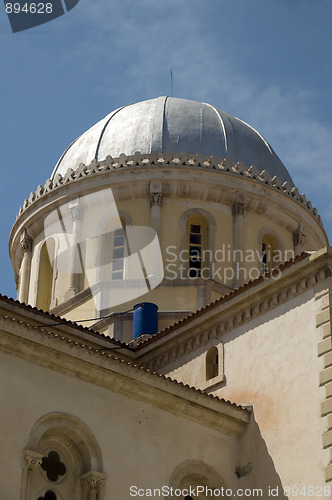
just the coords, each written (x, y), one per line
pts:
(256, 470)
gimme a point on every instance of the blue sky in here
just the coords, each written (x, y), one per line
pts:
(267, 62)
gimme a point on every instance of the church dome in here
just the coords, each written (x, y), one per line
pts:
(169, 124)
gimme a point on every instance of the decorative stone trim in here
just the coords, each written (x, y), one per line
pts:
(157, 160)
(298, 238)
(238, 208)
(323, 323)
(32, 460)
(155, 193)
(233, 319)
(93, 481)
(26, 243)
(155, 199)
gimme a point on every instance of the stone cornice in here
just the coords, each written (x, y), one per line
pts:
(263, 195)
(157, 160)
(228, 313)
(63, 354)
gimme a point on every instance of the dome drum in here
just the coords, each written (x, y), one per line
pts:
(238, 201)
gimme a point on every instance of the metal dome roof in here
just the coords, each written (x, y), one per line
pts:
(175, 125)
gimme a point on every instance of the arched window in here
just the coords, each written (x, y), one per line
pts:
(118, 252)
(212, 363)
(112, 248)
(271, 251)
(197, 240)
(212, 367)
(45, 280)
(63, 461)
(196, 233)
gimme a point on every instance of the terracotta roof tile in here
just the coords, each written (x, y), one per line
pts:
(221, 300)
(58, 321)
(101, 352)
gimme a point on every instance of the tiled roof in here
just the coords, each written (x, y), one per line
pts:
(58, 321)
(222, 300)
(101, 352)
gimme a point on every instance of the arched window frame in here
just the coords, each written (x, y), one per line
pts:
(126, 222)
(201, 217)
(53, 266)
(76, 445)
(275, 246)
(213, 366)
(195, 473)
(212, 363)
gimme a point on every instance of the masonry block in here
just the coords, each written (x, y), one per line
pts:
(325, 376)
(323, 316)
(324, 346)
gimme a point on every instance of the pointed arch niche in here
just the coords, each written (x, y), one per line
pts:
(63, 461)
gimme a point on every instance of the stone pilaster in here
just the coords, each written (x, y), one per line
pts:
(74, 278)
(25, 269)
(31, 461)
(155, 205)
(238, 210)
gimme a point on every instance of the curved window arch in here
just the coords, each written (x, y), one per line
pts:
(193, 473)
(197, 230)
(49, 495)
(271, 249)
(112, 247)
(198, 240)
(212, 363)
(212, 367)
(66, 460)
(46, 274)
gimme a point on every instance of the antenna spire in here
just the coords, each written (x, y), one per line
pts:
(171, 83)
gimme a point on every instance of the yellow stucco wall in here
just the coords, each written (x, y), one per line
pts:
(141, 445)
(272, 364)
